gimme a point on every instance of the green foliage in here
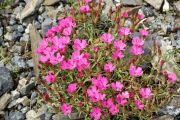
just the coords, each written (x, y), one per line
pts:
(5, 3)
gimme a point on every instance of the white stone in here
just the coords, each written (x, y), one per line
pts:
(155, 3)
(30, 8)
(50, 2)
(24, 101)
(32, 115)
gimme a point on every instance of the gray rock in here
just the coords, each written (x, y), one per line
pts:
(17, 49)
(16, 116)
(178, 43)
(25, 38)
(1, 31)
(40, 19)
(30, 63)
(33, 102)
(17, 34)
(2, 114)
(9, 36)
(170, 110)
(147, 11)
(6, 82)
(30, 8)
(1, 41)
(19, 107)
(20, 28)
(27, 88)
(4, 100)
(17, 10)
(10, 28)
(47, 24)
(108, 5)
(50, 2)
(131, 2)
(19, 62)
(155, 3)
(41, 113)
(41, 9)
(175, 102)
(12, 104)
(33, 95)
(177, 5)
(24, 101)
(22, 83)
(37, 25)
(12, 21)
(25, 110)
(15, 95)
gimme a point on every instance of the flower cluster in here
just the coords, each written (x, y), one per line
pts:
(100, 73)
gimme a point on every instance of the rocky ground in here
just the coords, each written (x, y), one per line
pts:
(22, 26)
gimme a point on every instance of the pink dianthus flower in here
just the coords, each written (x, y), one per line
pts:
(139, 104)
(50, 78)
(72, 88)
(66, 109)
(119, 45)
(107, 38)
(117, 86)
(123, 31)
(172, 77)
(96, 113)
(145, 93)
(109, 67)
(135, 71)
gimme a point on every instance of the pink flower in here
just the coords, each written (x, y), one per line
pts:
(79, 44)
(101, 82)
(114, 109)
(64, 40)
(85, 9)
(145, 93)
(135, 71)
(95, 113)
(121, 99)
(50, 78)
(109, 67)
(66, 109)
(125, 94)
(117, 86)
(119, 45)
(108, 103)
(172, 77)
(136, 50)
(140, 16)
(94, 94)
(72, 88)
(124, 31)
(136, 41)
(107, 38)
(95, 49)
(144, 32)
(67, 22)
(125, 14)
(117, 55)
(139, 104)
(67, 31)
